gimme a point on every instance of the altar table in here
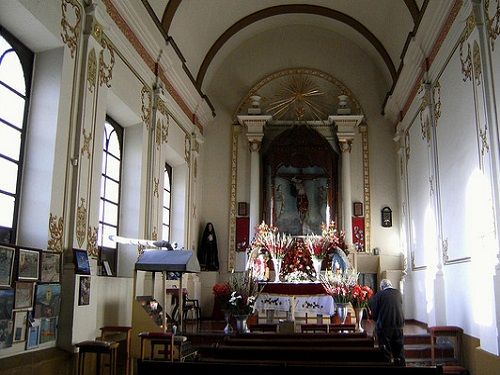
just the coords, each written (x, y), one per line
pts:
(293, 298)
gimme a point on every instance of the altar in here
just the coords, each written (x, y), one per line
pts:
(295, 300)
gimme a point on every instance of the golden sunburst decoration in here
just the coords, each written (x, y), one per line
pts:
(298, 97)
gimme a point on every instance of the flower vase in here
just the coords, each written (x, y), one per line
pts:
(241, 323)
(342, 310)
(358, 312)
(277, 269)
(227, 328)
(317, 263)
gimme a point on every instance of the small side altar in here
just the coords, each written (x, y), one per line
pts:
(294, 299)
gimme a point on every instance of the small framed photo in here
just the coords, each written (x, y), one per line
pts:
(107, 268)
(6, 336)
(242, 208)
(81, 259)
(33, 337)
(29, 261)
(24, 295)
(50, 269)
(20, 321)
(6, 265)
(358, 209)
(84, 294)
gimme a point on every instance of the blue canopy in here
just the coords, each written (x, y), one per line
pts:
(158, 260)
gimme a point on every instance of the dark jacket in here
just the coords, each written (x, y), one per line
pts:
(387, 308)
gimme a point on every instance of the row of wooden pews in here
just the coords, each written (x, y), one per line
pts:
(290, 354)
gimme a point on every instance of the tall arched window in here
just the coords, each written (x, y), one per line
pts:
(16, 63)
(109, 208)
(167, 199)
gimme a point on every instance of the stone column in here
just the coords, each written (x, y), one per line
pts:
(255, 133)
(346, 128)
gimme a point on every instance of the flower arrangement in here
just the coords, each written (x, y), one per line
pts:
(360, 295)
(222, 294)
(297, 277)
(244, 292)
(332, 236)
(318, 246)
(340, 284)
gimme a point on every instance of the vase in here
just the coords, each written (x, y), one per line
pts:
(358, 312)
(227, 328)
(317, 267)
(241, 323)
(277, 269)
(342, 310)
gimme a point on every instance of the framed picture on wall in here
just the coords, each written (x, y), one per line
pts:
(6, 303)
(24, 295)
(84, 294)
(29, 262)
(20, 319)
(50, 269)
(6, 265)
(47, 300)
(33, 337)
(81, 259)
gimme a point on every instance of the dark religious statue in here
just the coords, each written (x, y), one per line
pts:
(207, 251)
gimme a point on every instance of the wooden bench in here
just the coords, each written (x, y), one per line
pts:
(294, 353)
(231, 368)
(304, 342)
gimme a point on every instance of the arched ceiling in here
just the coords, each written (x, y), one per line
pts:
(204, 31)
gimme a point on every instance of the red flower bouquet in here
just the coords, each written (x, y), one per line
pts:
(360, 294)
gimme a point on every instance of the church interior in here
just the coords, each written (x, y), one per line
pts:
(155, 151)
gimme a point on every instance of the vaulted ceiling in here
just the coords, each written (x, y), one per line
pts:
(207, 32)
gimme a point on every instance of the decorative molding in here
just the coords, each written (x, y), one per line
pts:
(187, 148)
(407, 146)
(425, 126)
(154, 234)
(436, 98)
(71, 33)
(164, 130)
(156, 182)
(466, 60)
(81, 222)
(493, 23)
(345, 146)
(158, 132)
(106, 69)
(363, 129)
(483, 135)
(92, 248)
(91, 70)
(86, 143)
(56, 232)
(231, 257)
(96, 31)
(444, 246)
(161, 106)
(146, 106)
(476, 62)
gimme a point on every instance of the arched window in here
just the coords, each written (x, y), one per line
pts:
(16, 63)
(109, 208)
(167, 199)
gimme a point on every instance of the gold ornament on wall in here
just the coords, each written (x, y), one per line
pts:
(466, 58)
(436, 96)
(70, 23)
(156, 182)
(106, 68)
(146, 106)
(164, 130)
(91, 70)
(484, 142)
(81, 222)
(476, 59)
(92, 242)
(187, 148)
(493, 23)
(154, 235)
(158, 132)
(56, 228)
(86, 143)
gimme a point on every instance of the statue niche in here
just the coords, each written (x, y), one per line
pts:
(300, 174)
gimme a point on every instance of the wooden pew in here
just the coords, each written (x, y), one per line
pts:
(299, 336)
(225, 368)
(293, 354)
(303, 341)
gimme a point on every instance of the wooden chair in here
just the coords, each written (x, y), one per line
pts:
(443, 340)
(120, 334)
(191, 306)
(165, 340)
(102, 350)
